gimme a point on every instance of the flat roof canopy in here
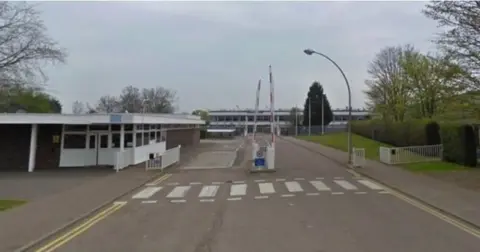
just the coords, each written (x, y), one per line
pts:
(117, 118)
(220, 130)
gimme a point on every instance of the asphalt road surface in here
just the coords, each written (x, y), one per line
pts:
(309, 205)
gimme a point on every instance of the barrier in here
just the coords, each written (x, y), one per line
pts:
(166, 159)
(411, 154)
(358, 157)
(122, 159)
(263, 158)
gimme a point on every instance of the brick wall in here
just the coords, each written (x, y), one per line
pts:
(48, 152)
(184, 137)
(14, 147)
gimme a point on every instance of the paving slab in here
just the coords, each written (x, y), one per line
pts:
(460, 202)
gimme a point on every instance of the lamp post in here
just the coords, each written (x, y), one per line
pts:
(310, 52)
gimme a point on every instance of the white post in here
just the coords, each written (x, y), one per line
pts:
(122, 137)
(33, 148)
(296, 121)
(323, 116)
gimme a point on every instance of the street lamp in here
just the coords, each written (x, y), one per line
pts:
(310, 52)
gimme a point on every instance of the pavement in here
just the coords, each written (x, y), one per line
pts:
(311, 204)
(450, 198)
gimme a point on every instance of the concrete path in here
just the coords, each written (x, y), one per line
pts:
(310, 204)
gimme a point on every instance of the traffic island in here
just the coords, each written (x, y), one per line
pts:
(263, 159)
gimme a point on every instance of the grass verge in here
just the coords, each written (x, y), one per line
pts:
(7, 204)
(340, 141)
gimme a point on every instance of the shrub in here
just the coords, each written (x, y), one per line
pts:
(459, 144)
(203, 133)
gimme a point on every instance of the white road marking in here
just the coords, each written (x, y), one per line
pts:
(369, 184)
(345, 184)
(319, 185)
(239, 182)
(338, 178)
(319, 178)
(207, 200)
(280, 179)
(313, 194)
(337, 193)
(234, 199)
(383, 192)
(147, 192)
(360, 192)
(293, 186)
(208, 191)
(178, 192)
(195, 183)
(149, 201)
(261, 197)
(173, 184)
(260, 180)
(238, 190)
(178, 201)
(287, 195)
(217, 183)
(266, 188)
(298, 179)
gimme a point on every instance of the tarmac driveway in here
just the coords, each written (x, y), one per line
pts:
(38, 184)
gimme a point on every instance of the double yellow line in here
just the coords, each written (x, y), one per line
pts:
(159, 180)
(58, 242)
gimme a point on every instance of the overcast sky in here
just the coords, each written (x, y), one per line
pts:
(212, 53)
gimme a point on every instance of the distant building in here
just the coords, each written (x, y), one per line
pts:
(239, 118)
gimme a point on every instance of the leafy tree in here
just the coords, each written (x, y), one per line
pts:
(203, 115)
(55, 105)
(461, 38)
(314, 99)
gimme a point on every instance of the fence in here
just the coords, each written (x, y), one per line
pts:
(122, 159)
(358, 157)
(168, 158)
(411, 154)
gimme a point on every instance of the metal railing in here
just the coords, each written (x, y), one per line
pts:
(122, 159)
(154, 163)
(358, 157)
(170, 157)
(411, 154)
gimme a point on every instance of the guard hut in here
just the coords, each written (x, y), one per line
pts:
(44, 141)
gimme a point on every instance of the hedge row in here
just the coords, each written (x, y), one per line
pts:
(460, 141)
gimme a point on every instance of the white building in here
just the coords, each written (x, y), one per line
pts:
(239, 118)
(45, 141)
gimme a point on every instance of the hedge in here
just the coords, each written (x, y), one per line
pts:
(408, 133)
(460, 143)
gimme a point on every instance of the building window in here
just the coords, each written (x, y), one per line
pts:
(115, 127)
(103, 141)
(99, 127)
(128, 127)
(152, 135)
(146, 140)
(146, 127)
(158, 137)
(163, 136)
(115, 140)
(128, 141)
(92, 144)
(74, 141)
(139, 139)
(77, 128)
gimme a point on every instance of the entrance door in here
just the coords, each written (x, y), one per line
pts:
(103, 157)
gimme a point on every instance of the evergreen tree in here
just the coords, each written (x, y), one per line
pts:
(314, 97)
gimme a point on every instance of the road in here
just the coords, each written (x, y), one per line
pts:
(309, 205)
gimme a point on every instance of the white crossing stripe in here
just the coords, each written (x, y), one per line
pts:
(261, 197)
(287, 195)
(149, 201)
(195, 183)
(207, 200)
(238, 190)
(178, 192)
(208, 191)
(319, 185)
(266, 188)
(178, 201)
(345, 184)
(146, 193)
(234, 199)
(299, 179)
(293, 186)
(370, 184)
(337, 193)
(313, 194)
(280, 179)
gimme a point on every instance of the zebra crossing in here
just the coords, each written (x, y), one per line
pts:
(257, 189)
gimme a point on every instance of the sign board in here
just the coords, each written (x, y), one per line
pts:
(115, 118)
(259, 162)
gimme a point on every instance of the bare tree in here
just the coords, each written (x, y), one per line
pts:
(160, 100)
(461, 39)
(24, 45)
(130, 100)
(78, 107)
(108, 104)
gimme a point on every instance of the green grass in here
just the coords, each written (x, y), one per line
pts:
(340, 141)
(7, 204)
